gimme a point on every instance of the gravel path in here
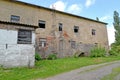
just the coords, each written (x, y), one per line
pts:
(117, 77)
(93, 72)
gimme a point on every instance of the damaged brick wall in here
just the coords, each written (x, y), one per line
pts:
(61, 45)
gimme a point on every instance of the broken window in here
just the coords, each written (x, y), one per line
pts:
(24, 36)
(42, 42)
(73, 44)
(76, 29)
(15, 18)
(93, 31)
(60, 26)
(41, 24)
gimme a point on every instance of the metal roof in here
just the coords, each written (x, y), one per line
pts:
(19, 24)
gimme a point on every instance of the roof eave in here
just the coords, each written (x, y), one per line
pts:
(58, 11)
(19, 24)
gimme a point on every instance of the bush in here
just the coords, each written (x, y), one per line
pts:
(37, 57)
(52, 56)
(115, 51)
(97, 52)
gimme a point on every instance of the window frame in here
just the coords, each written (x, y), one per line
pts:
(42, 42)
(42, 24)
(76, 29)
(93, 32)
(24, 36)
(60, 27)
(15, 18)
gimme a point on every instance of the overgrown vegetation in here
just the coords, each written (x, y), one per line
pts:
(46, 68)
(115, 50)
(97, 52)
(116, 24)
(115, 47)
(37, 57)
(52, 56)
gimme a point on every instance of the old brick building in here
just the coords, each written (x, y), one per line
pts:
(57, 32)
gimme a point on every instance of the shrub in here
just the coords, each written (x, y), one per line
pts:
(37, 57)
(52, 56)
(115, 51)
(97, 52)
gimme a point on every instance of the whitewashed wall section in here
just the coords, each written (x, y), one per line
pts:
(13, 54)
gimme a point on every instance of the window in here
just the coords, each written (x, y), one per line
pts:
(76, 29)
(73, 44)
(41, 24)
(93, 31)
(24, 37)
(15, 18)
(60, 26)
(42, 42)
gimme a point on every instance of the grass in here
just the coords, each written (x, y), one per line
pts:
(112, 76)
(46, 68)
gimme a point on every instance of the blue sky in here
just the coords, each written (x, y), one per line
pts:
(103, 9)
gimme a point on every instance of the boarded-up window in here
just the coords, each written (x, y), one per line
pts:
(15, 18)
(73, 44)
(24, 36)
(76, 29)
(60, 26)
(41, 24)
(42, 42)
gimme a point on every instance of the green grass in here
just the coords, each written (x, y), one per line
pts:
(46, 68)
(111, 76)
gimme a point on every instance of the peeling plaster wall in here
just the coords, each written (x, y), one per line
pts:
(31, 15)
(13, 54)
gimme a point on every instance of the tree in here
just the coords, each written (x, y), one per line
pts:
(117, 27)
(115, 47)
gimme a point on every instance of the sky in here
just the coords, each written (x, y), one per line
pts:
(103, 9)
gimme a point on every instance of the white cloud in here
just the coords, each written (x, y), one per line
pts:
(59, 5)
(111, 34)
(89, 3)
(105, 18)
(62, 6)
(75, 8)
